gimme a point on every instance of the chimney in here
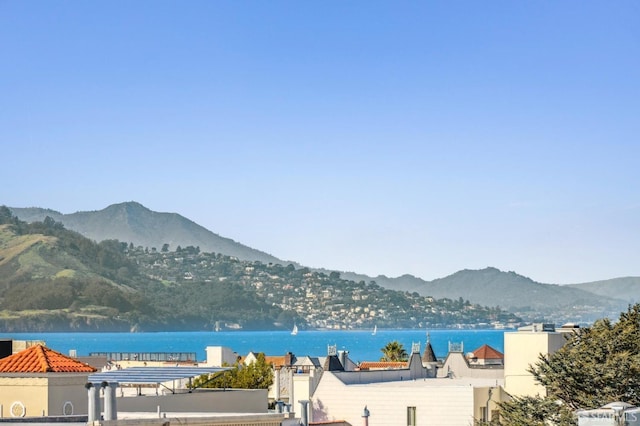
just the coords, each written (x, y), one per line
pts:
(288, 359)
(304, 416)
(342, 356)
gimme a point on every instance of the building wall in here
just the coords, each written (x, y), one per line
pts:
(302, 387)
(487, 399)
(521, 349)
(202, 401)
(218, 356)
(67, 395)
(439, 405)
(28, 392)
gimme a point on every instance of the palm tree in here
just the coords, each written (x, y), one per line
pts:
(394, 351)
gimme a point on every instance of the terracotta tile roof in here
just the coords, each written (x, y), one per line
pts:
(487, 352)
(382, 365)
(40, 359)
(277, 361)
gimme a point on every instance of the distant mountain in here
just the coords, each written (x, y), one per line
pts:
(131, 222)
(509, 290)
(626, 289)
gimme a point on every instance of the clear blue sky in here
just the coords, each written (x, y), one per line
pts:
(378, 137)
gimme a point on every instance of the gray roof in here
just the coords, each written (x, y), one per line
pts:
(152, 375)
(429, 354)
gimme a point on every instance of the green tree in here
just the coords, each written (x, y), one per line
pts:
(598, 365)
(394, 351)
(6, 216)
(533, 411)
(256, 375)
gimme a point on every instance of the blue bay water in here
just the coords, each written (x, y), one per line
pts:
(362, 345)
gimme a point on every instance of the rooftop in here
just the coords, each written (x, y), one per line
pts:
(487, 352)
(40, 359)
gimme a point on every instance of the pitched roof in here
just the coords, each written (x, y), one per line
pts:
(277, 361)
(429, 354)
(332, 363)
(487, 352)
(40, 359)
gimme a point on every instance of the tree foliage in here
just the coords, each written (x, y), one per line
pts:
(598, 365)
(256, 375)
(394, 351)
(532, 411)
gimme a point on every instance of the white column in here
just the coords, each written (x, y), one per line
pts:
(93, 390)
(110, 409)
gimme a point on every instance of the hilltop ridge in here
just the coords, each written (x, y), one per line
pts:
(135, 223)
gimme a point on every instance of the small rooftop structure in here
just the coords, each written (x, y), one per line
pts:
(485, 355)
(538, 327)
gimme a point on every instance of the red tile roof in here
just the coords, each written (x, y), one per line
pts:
(487, 352)
(40, 359)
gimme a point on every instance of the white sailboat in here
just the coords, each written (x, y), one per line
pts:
(375, 330)
(295, 330)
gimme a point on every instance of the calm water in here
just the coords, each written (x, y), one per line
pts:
(362, 345)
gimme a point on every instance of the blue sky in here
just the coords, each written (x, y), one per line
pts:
(378, 137)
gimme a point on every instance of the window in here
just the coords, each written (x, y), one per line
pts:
(411, 416)
(483, 414)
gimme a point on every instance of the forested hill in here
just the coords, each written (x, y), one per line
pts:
(133, 222)
(53, 279)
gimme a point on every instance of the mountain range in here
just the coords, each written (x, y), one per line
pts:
(131, 222)
(55, 279)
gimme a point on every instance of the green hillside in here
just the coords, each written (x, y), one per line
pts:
(55, 279)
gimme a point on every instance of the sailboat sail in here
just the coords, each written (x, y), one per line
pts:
(375, 330)
(295, 330)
